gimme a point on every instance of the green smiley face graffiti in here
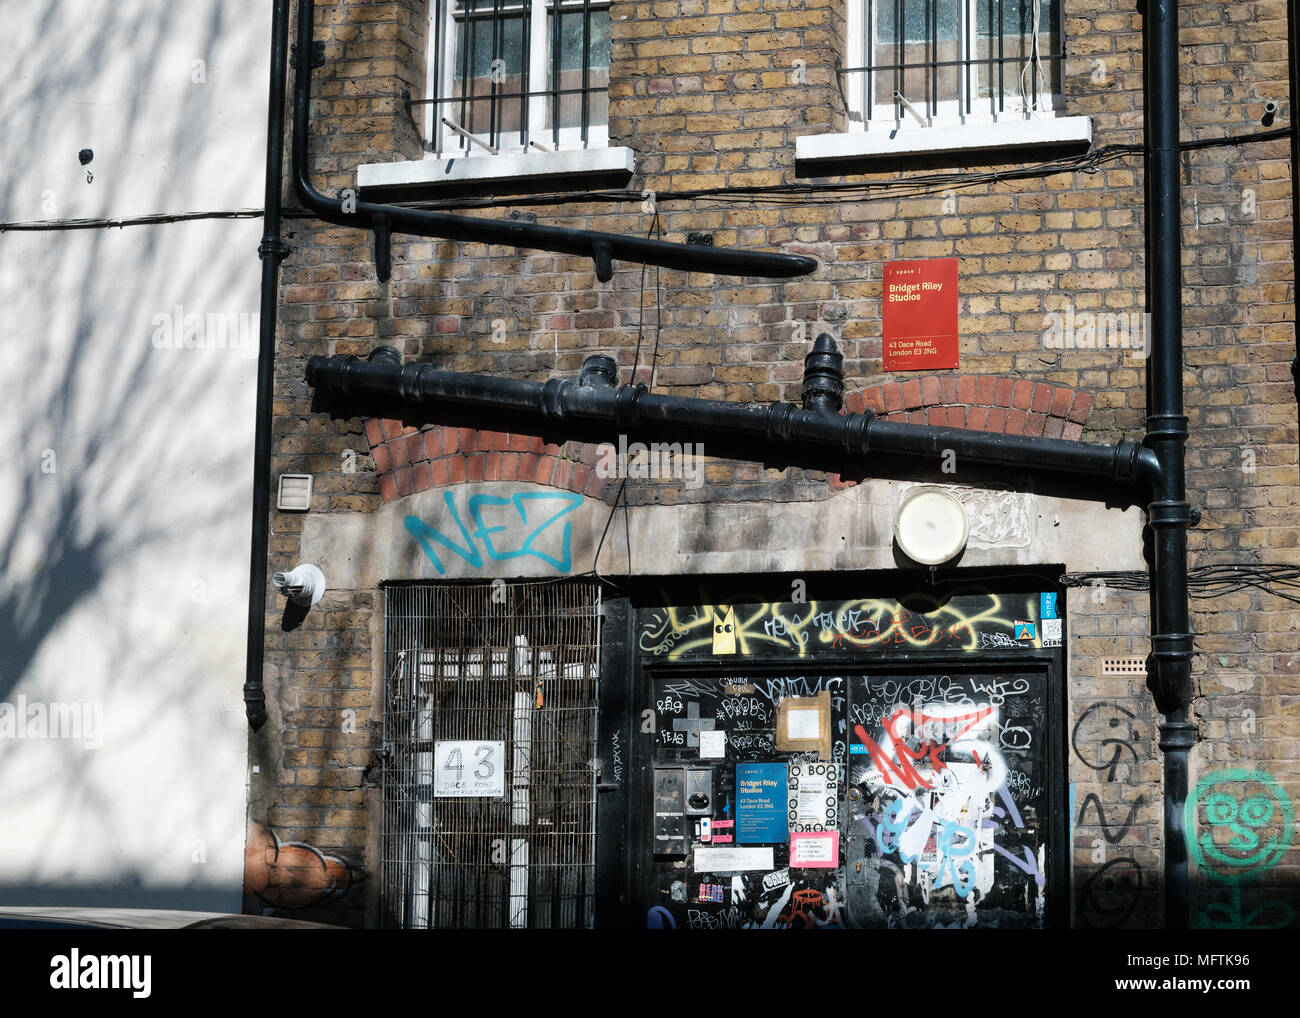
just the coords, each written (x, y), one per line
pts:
(1239, 823)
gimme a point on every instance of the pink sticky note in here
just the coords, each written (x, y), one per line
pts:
(814, 850)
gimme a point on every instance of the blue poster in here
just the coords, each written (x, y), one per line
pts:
(762, 814)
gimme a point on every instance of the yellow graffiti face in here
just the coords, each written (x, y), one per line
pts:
(724, 632)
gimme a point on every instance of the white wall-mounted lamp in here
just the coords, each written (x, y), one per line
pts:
(304, 585)
(931, 526)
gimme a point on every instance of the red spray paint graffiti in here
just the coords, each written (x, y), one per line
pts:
(901, 770)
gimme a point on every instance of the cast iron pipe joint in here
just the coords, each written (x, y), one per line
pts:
(779, 416)
(1133, 461)
(627, 415)
(598, 372)
(823, 377)
(857, 432)
(1169, 672)
(554, 396)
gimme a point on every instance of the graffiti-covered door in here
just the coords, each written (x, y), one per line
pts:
(946, 800)
(859, 763)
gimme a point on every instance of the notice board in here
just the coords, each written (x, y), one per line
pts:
(919, 316)
(761, 794)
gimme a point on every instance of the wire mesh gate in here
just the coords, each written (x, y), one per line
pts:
(489, 793)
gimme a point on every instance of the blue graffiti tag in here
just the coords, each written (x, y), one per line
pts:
(962, 874)
(954, 843)
(497, 547)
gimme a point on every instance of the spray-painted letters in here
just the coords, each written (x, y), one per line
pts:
(528, 523)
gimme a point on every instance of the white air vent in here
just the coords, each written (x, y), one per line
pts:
(295, 493)
(1123, 666)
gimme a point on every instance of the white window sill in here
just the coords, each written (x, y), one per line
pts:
(506, 166)
(813, 149)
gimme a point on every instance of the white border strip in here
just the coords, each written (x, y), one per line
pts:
(506, 166)
(815, 148)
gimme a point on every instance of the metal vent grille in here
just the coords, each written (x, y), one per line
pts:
(512, 667)
(1123, 666)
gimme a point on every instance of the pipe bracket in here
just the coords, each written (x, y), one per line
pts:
(273, 246)
(317, 58)
(603, 255)
(382, 226)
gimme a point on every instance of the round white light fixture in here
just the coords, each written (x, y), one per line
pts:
(931, 527)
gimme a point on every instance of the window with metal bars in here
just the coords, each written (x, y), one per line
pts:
(517, 75)
(924, 63)
(489, 788)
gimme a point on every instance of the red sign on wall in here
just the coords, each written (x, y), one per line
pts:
(920, 314)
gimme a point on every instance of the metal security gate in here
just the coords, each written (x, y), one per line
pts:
(489, 791)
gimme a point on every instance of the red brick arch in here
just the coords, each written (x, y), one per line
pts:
(1009, 406)
(408, 459)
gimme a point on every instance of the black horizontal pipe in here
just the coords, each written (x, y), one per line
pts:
(602, 248)
(595, 397)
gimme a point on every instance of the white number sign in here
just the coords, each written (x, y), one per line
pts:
(468, 769)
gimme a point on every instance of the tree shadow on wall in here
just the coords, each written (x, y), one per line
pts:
(120, 460)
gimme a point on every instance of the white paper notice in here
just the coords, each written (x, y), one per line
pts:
(803, 724)
(729, 860)
(713, 745)
(807, 851)
(812, 799)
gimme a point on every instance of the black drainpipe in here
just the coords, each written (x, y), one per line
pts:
(602, 248)
(271, 251)
(1293, 95)
(1169, 666)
